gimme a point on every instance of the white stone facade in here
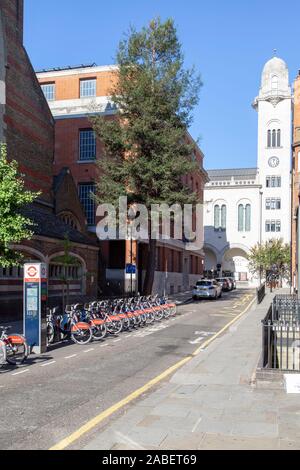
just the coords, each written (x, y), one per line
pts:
(246, 206)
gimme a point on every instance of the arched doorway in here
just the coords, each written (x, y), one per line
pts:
(235, 264)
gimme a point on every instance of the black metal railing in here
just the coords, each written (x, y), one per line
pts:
(281, 334)
(260, 293)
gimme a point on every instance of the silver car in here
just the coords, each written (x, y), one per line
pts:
(207, 289)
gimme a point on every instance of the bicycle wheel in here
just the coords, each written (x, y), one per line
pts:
(50, 333)
(114, 326)
(2, 353)
(150, 317)
(99, 330)
(17, 350)
(81, 333)
(143, 319)
(126, 323)
(158, 314)
(167, 313)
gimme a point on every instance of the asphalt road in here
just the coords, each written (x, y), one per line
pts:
(51, 396)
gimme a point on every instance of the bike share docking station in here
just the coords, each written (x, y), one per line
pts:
(35, 306)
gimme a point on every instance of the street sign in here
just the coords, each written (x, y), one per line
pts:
(35, 305)
(130, 269)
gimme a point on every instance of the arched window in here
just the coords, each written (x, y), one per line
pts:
(241, 218)
(274, 138)
(278, 138)
(223, 217)
(248, 218)
(269, 138)
(217, 217)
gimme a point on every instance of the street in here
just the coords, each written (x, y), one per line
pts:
(51, 396)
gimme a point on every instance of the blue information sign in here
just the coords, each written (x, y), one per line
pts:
(35, 304)
(130, 269)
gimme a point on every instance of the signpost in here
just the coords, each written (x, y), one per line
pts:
(35, 305)
(131, 272)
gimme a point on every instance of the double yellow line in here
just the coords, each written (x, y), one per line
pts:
(90, 425)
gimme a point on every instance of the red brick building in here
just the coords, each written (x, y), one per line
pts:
(73, 94)
(27, 127)
(296, 188)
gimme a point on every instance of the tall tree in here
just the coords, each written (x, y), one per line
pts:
(146, 147)
(14, 227)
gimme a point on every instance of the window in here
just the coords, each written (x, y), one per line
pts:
(49, 91)
(248, 218)
(217, 217)
(273, 226)
(86, 191)
(244, 218)
(69, 220)
(88, 88)
(269, 139)
(273, 182)
(58, 271)
(273, 204)
(278, 226)
(220, 216)
(278, 138)
(274, 138)
(241, 218)
(223, 217)
(87, 145)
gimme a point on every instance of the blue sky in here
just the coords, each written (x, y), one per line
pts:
(227, 41)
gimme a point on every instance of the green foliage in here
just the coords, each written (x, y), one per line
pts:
(66, 259)
(14, 227)
(146, 149)
(273, 253)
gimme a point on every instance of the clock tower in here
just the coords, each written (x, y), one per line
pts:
(274, 107)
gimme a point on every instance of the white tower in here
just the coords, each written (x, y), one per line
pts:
(274, 107)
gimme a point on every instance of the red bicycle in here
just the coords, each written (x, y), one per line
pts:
(14, 349)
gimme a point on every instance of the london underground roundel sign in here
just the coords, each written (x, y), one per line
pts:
(32, 271)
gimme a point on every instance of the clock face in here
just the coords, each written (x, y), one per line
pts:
(273, 162)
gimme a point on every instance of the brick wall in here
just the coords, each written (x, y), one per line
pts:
(67, 150)
(67, 200)
(68, 87)
(296, 178)
(29, 123)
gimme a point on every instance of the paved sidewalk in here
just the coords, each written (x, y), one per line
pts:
(211, 403)
(182, 298)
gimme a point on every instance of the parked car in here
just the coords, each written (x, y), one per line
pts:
(233, 282)
(207, 289)
(226, 283)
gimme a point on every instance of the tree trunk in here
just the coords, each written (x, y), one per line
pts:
(68, 292)
(63, 299)
(150, 268)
